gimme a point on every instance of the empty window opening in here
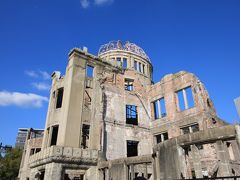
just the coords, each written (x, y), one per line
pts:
(140, 67)
(143, 69)
(59, 98)
(199, 146)
(85, 136)
(214, 121)
(32, 151)
(66, 177)
(131, 115)
(132, 148)
(190, 129)
(208, 103)
(37, 150)
(161, 137)
(159, 108)
(119, 61)
(87, 99)
(54, 135)
(128, 84)
(185, 99)
(42, 174)
(135, 65)
(193, 174)
(90, 71)
(124, 63)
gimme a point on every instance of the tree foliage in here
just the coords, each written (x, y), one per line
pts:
(10, 163)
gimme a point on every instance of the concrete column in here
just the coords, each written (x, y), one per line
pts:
(132, 171)
(49, 138)
(73, 101)
(97, 109)
(100, 174)
(236, 151)
(181, 163)
(223, 157)
(125, 171)
(237, 127)
(185, 99)
(154, 172)
(107, 175)
(196, 161)
(157, 162)
(145, 171)
(53, 171)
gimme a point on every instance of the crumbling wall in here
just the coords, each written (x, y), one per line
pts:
(183, 156)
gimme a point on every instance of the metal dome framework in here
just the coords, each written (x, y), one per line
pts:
(127, 46)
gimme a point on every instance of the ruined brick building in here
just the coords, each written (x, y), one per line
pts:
(107, 120)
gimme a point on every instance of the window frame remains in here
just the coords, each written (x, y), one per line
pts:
(131, 114)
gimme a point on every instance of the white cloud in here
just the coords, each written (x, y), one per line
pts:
(38, 74)
(21, 99)
(41, 86)
(45, 75)
(32, 74)
(85, 3)
(102, 2)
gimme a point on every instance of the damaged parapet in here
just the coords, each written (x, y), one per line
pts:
(187, 155)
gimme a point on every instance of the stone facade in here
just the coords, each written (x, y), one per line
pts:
(108, 120)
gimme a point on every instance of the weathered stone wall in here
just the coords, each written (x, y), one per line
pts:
(188, 158)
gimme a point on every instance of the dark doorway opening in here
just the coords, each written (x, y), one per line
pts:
(54, 135)
(132, 148)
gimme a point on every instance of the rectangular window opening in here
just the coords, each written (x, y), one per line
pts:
(140, 67)
(42, 174)
(190, 129)
(32, 151)
(131, 115)
(90, 71)
(161, 137)
(128, 84)
(85, 136)
(135, 65)
(185, 99)
(125, 63)
(159, 108)
(143, 69)
(59, 98)
(132, 148)
(54, 135)
(38, 150)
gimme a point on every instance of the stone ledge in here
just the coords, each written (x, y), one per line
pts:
(63, 154)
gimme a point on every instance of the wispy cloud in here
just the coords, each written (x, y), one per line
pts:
(21, 99)
(85, 3)
(102, 2)
(42, 86)
(45, 75)
(38, 74)
(32, 74)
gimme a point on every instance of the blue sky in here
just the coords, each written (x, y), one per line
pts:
(200, 36)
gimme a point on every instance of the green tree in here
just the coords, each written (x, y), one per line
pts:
(10, 163)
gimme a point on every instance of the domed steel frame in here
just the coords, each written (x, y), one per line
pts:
(127, 46)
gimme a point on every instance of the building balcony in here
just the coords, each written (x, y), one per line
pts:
(64, 155)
